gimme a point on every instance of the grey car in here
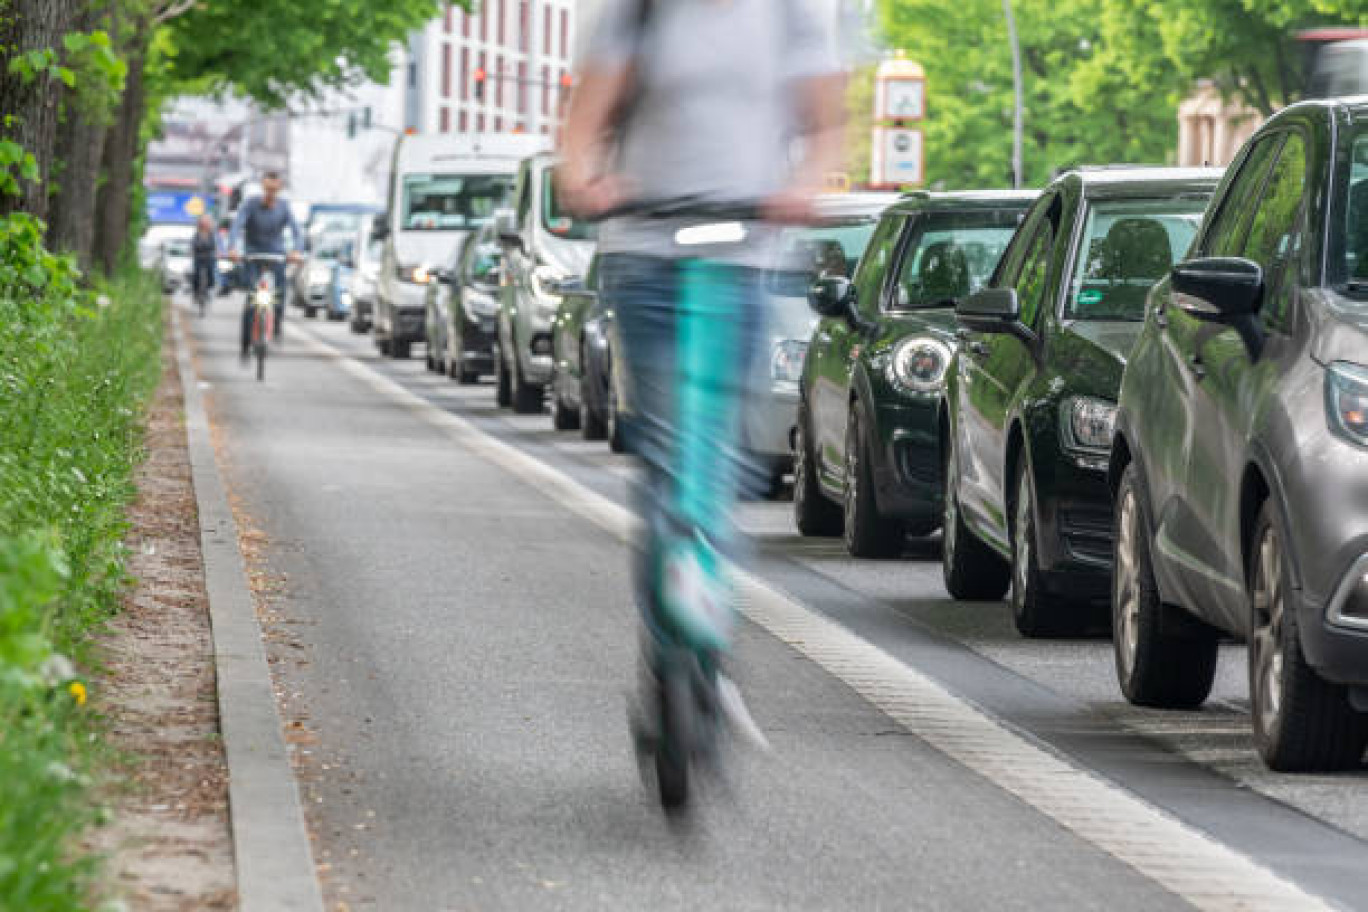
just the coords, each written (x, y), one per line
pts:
(462, 306)
(546, 252)
(833, 247)
(1240, 460)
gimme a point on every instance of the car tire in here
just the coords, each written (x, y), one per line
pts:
(1302, 722)
(356, 327)
(562, 418)
(592, 424)
(383, 346)
(400, 350)
(973, 572)
(1035, 612)
(613, 422)
(866, 533)
(527, 399)
(503, 386)
(1160, 660)
(813, 514)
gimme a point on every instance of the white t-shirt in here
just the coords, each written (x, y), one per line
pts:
(713, 115)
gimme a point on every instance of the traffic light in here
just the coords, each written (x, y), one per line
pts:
(566, 80)
(481, 77)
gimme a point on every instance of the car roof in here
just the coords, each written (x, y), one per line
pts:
(923, 201)
(836, 205)
(1139, 180)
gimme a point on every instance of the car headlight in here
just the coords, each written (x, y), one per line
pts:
(319, 274)
(1346, 401)
(418, 275)
(1088, 423)
(918, 365)
(786, 362)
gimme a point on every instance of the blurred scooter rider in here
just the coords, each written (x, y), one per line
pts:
(260, 228)
(704, 101)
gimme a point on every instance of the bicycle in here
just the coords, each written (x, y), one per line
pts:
(262, 301)
(201, 287)
(691, 600)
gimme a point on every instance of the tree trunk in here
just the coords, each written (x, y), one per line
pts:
(115, 205)
(29, 108)
(80, 145)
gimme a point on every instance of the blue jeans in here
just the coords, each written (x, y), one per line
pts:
(687, 331)
(253, 272)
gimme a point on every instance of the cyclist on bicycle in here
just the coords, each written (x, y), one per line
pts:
(205, 250)
(260, 228)
(694, 102)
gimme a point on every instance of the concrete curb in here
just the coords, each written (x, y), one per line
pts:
(275, 867)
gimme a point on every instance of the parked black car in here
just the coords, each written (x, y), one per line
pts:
(1031, 393)
(867, 441)
(1241, 454)
(462, 309)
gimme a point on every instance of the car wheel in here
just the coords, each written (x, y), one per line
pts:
(1158, 663)
(383, 346)
(867, 534)
(972, 570)
(592, 425)
(1034, 611)
(400, 350)
(813, 514)
(1302, 722)
(613, 422)
(527, 399)
(562, 417)
(356, 327)
(503, 388)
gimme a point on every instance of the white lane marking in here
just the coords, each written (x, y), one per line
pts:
(1187, 862)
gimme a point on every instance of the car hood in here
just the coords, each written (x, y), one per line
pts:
(1341, 332)
(1091, 354)
(426, 248)
(790, 318)
(566, 258)
(937, 321)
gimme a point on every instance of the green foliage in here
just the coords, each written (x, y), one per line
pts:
(16, 164)
(99, 73)
(1103, 78)
(75, 373)
(30, 66)
(271, 50)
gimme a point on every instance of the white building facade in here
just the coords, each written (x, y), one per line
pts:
(522, 48)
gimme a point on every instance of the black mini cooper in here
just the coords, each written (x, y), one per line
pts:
(1241, 454)
(1031, 394)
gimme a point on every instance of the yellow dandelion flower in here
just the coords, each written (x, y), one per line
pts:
(78, 690)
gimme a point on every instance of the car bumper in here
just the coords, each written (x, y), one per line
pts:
(907, 470)
(410, 325)
(477, 343)
(770, 420)
(1074, 525)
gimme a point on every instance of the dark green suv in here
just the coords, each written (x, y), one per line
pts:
(1031, 394)
(866, 447)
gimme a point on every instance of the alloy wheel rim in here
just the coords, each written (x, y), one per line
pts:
(950, 522)
(1127, 587)
(1268, 641)
(1021, 544)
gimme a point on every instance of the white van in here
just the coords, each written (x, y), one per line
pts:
(441, 188)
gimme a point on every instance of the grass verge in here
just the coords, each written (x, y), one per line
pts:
(76, 373)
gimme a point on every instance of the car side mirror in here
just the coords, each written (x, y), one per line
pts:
(832, 296)
(1219, 289)
(991, 310)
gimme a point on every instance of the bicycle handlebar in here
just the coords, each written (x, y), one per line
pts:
(689, 207)
(265, 257)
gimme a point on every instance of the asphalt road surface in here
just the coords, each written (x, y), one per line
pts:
(459, 641)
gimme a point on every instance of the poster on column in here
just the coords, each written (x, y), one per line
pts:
(901, 158)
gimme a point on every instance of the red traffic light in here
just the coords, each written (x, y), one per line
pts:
(566, 80)
(480, 74)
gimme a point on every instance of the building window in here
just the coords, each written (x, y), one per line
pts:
(446, 69)
(447, 24)
(524, 26)
(479, 122)
(499, 7)
(446, 119)
(565, 33)
(498, 82)
(498, 124)
(546, 90)
(522, 87)
(412, 74)
(465, 23)
(464, 121)
(464, 76)
(484, 20)
(546, 30)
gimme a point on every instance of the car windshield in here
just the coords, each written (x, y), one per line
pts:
(806, 254)
(557, 221)
(446, 202)
(1128, 246)
(335, 221)
(1356, 224)
(951, 255)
